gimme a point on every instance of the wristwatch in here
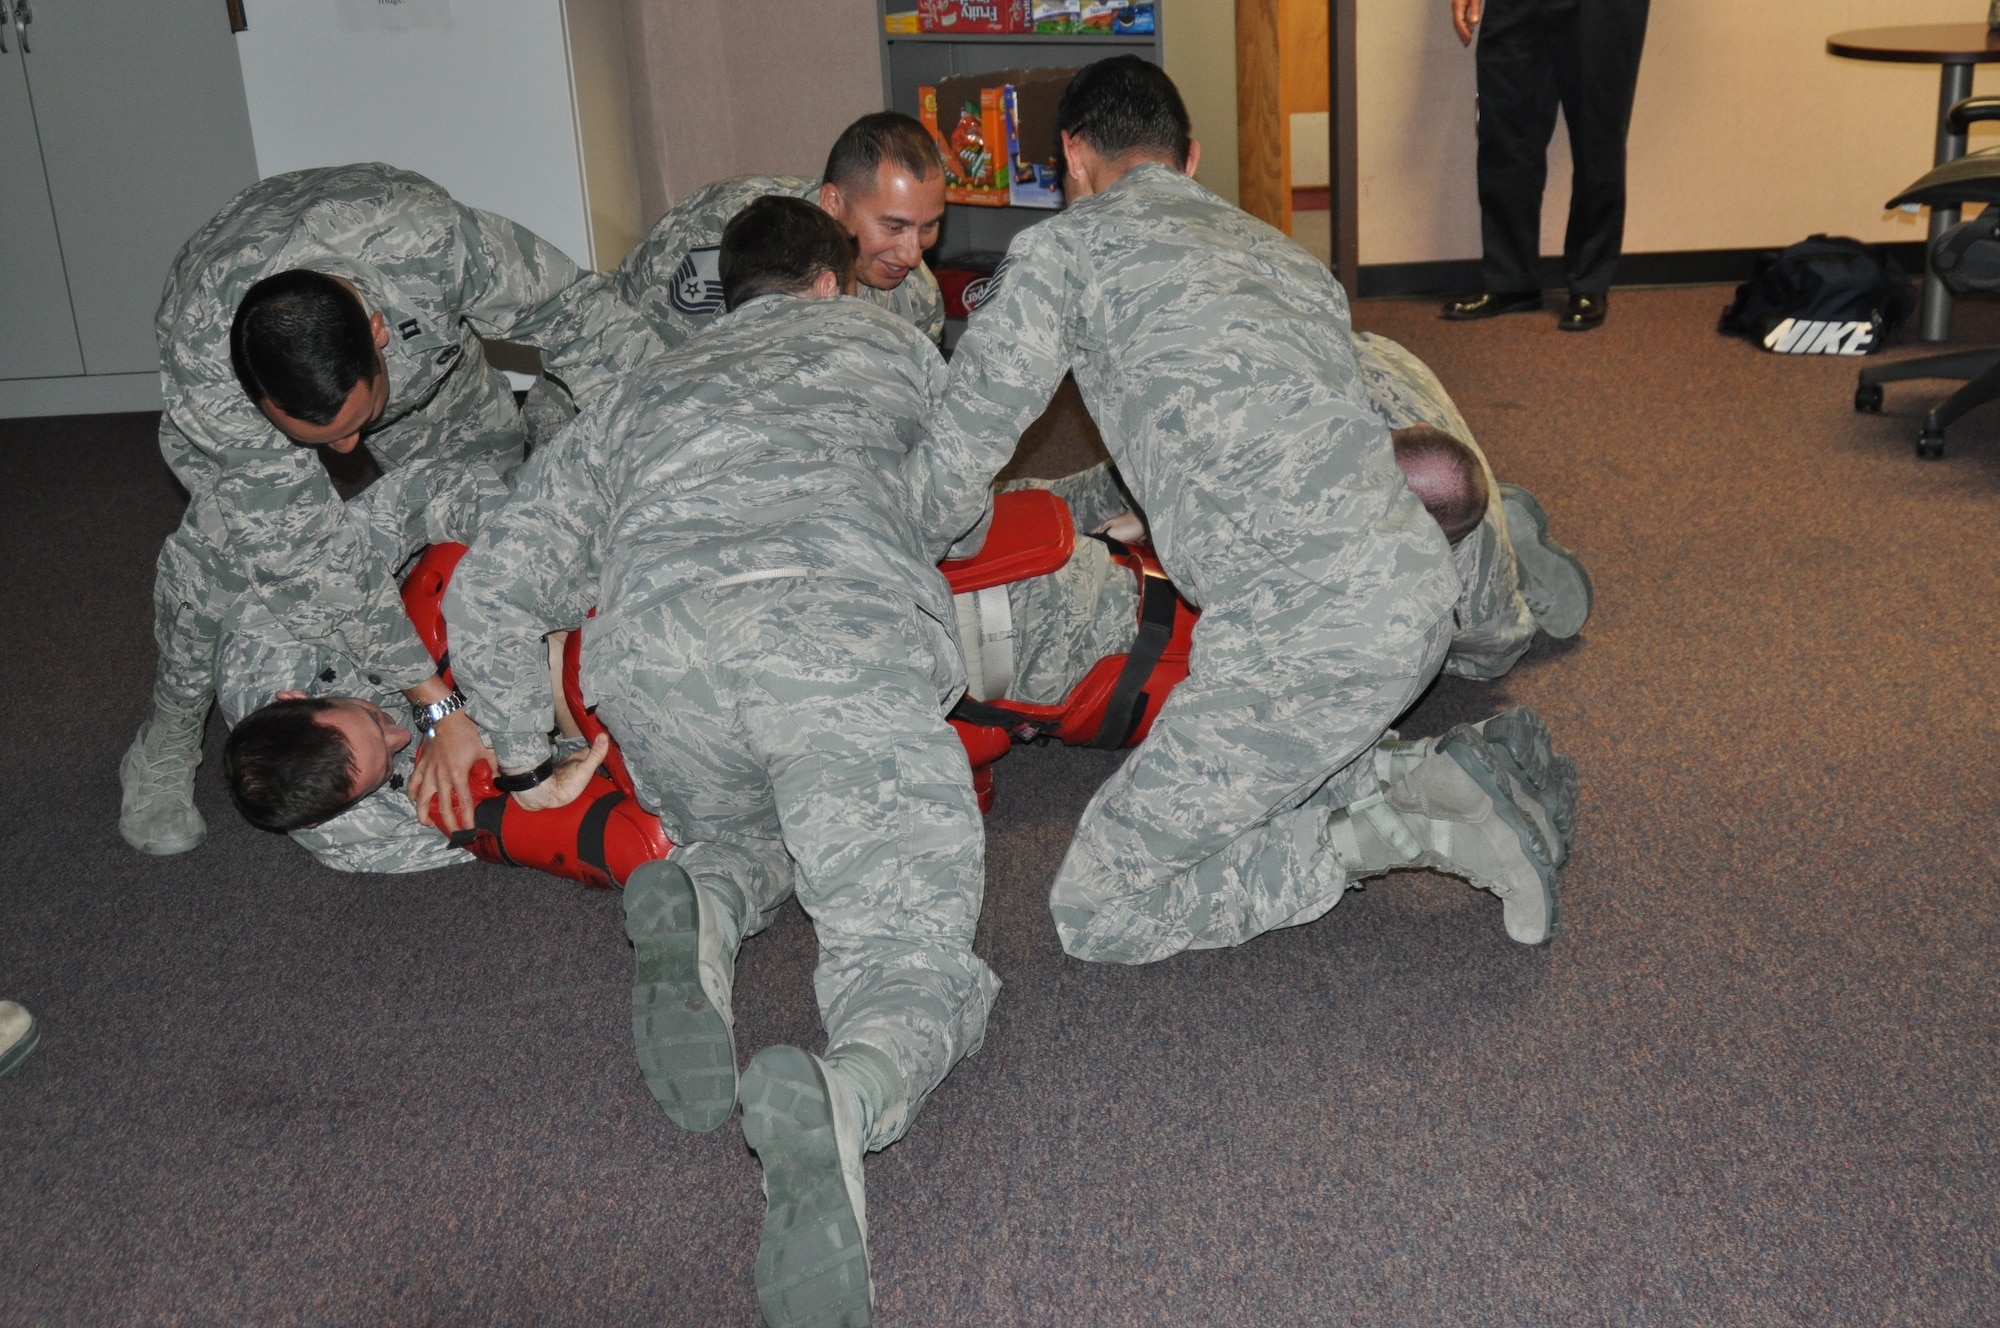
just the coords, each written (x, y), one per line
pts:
(428, 716)
(525, 780)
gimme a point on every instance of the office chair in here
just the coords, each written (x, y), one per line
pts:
(1966, 258)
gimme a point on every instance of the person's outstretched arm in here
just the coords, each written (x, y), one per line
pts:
(532, 569)
(516, 286)
(1008, 365)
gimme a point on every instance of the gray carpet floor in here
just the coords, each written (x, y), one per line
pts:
(1751, 1082)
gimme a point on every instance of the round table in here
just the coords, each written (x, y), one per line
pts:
(1957, 47)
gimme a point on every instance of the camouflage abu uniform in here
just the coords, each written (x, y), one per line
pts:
(673, 280)
(427, 502)
(262, 514)
(1495, 626)
(1214, 355)
(769, 651)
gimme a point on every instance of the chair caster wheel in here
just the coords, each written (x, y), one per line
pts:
(1930, 446)
(1868, 398)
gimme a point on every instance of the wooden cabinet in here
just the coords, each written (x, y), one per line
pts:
(122, 129)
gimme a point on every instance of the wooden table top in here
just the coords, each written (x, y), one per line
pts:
(1920, 44)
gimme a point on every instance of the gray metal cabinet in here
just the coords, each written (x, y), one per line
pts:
(122, 129)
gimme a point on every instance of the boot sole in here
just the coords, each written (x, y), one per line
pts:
(163, 848)
(17, 1053)
(685, 1047)
(812, 1260)
(1548, 566)
(1522, 742)
(1474, 755)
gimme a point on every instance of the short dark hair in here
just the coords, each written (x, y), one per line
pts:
(301, 340)
(286, 769)
(778, 245)
(1445, 474)
(856, 160)
(1125, 105)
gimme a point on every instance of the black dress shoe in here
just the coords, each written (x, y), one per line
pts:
(1490, 305)
(1583, 313)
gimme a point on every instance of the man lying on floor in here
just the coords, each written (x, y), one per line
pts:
(317, 752)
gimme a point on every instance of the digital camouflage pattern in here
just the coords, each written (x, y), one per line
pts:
(1215, 356)
(673, 279)
(1495, 627)
(262, 514)
(1064, 623)
(769, 650)
(423, 503)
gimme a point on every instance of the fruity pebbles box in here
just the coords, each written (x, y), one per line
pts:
(972, 15)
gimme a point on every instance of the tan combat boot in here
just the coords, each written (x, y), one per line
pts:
(1460, 811)
(156, 813)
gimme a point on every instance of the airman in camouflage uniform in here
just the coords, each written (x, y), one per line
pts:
(262, 516)
(672, 277)
(770, 652)
(1495, 622)
(1215, 356)
(1515, 577)
(427, 502)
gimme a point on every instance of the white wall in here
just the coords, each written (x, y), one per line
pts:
(1746, 133)
(474, 94)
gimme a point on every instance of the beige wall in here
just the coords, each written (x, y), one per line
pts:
(729, 87)
(734, 87)
(1201, 59)
(1746, 133)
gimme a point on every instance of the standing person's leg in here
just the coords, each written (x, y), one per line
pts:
(876, 799)
(1517, 118)
(1596, 64)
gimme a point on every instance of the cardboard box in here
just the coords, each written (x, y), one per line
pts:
(967, 115)
(1034, 150)
(973, 15)
(1052, 15)
(1135, 21)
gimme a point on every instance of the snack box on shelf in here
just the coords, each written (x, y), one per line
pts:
(972, 15)
(967, 115)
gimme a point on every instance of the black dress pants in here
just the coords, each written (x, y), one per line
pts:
(1534, 55)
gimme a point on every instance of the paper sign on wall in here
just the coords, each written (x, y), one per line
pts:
(394, 15)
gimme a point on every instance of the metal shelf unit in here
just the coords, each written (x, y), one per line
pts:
(911, 60)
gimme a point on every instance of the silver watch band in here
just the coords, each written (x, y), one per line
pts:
(428, 716)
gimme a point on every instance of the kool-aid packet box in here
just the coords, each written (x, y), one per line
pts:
(973, 15)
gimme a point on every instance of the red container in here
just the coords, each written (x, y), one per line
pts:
(973, 16)
(962, 281)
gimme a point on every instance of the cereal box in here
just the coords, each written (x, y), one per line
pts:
(972, 15)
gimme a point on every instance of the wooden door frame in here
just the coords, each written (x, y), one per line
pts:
(1263, 138)
(1345, 174)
